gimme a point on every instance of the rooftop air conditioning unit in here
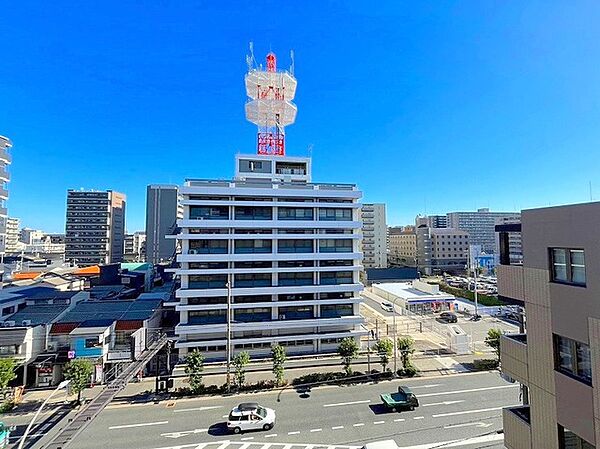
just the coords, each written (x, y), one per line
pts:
(9, 324)
(26, 322)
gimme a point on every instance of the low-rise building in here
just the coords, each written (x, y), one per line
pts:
(415, 296)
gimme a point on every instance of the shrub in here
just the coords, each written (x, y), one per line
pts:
(485, 364)
(493, 341)
(7, 406)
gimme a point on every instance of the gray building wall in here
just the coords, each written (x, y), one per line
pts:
(162, 211)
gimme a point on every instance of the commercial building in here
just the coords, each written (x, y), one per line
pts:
(283, 251)
(95, 227)
(135, 247)
(440, 250)
(5, 160)
(374, 229)
(403, 247)
(12, 235)
(480, 226)
(557, 358)
(415, 296)
(162, 212)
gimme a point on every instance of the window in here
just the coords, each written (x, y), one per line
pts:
(336, 277)
(208, 247)
(252, 315)
(573, 358)
(295, 213)
(568, 265)
(253, 280)
(336, 311)
(335, 246)
(208, 281)
(331, 214)
(209, 212)
(207, 317)
(296, 313)
(295, 246)
(296, 263)
(91, 343)
(570, 440)
(253, 246)
(253, 213)
(295, 279)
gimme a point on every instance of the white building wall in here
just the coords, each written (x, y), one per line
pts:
(374, 235)
(291, 250)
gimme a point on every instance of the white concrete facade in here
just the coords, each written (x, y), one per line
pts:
(291, 250)
(5, 160)
(374, 228)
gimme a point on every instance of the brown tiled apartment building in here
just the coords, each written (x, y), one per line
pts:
(557, 360)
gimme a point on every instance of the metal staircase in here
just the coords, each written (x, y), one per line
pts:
(75, 426)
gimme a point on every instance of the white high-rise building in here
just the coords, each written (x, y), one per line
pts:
(5, 160)
(374, 245)
(12, 235)
(284, 252)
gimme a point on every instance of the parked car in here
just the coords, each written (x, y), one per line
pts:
(449, 317)
(250, 416)
(387, 306)
(404, 398)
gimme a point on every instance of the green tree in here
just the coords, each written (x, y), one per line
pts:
(79, 372)
(7, 374)
(406, 348)
(194, 365)
(384, 349)
(493, 341)
(279, 357)
(348, 351)
(240, 361)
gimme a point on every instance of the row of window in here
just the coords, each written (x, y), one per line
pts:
(264, 198)
(202, 281)
(248, 299)
(266, 246)
(269, 264)
(271, 231)
(266, 213)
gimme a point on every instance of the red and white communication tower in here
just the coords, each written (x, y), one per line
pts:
(269, 106)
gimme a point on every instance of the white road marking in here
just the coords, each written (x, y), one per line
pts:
(358, 424)
(399, 420)
(196, 409)
(244, 446)
(419, 417)
(338, 404)
(425, 386)
(468, 424)
(337, 427)
(378, 422)
(296, 432)
(225, 416)
(144, 424)
(182, 433)
(500, 387)
(442, 403)
(458, 443)
(271, 435)
(316, 430)
(467, 412)
(247, 438)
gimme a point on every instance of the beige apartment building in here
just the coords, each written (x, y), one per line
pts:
(374, 230)
(403, 246)
(557, 358)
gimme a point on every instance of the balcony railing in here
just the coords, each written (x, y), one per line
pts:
(517, 427)
(513, 356)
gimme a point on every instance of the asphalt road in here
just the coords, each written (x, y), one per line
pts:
(452, 408)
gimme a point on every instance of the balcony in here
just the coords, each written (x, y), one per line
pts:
(517, 427)
(510, 283)
(513, 357)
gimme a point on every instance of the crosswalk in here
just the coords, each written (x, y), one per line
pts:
(227, 444)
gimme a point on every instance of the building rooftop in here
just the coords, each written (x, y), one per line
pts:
(38, 314)
(113, 310)
(415, 290)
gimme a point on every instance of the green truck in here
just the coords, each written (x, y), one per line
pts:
(403, 399)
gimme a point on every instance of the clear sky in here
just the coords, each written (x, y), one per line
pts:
(428, 106)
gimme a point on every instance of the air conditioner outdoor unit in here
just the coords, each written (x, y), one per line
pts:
(26, 322)
(9, 324)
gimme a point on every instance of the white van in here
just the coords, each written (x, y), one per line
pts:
(386, 444)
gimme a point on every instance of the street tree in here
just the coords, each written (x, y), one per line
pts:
(194, 365)
(79, 372)
(348, 351)
(279, 357)
(406, 348)
(240, 361)
(493, 341)
(7, 374)
(384, 349)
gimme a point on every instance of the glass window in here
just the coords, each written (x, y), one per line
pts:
(564, 352)
(577, 267)
(570, 440)
(573, 358)
(584, 362)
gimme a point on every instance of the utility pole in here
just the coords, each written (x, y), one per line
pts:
(228, 332)
(395, 341)
(476, 268)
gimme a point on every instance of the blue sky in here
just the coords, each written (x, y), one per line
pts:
(428, 106)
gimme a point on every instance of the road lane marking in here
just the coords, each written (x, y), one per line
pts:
(399, 420)
(296, 432)
(360, 424)
(425, 386)
(468, 424)
(316, 430)
(338, 404)
(144, 424)
(472, 390)
(378, 422)
(442, 403)
(247, 438)
(419, 417)
(271, 435)
(196, 409)
(182, 433)
(337, 427)
(244, 445)
(467, 412)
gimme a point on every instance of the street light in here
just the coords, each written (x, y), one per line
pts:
(228, 332)
(60, 386)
